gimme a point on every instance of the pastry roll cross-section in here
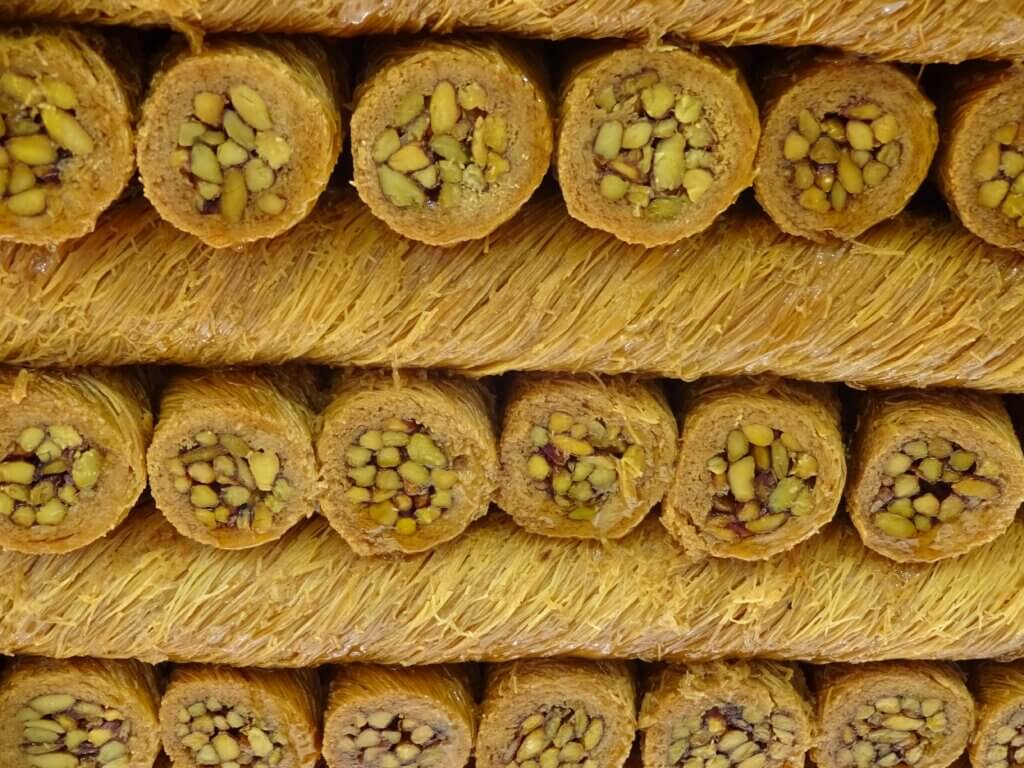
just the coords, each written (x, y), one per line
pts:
(72, 455)
(406, 462)
(259, 718)
(584, 457)
(754, 714)
(67, 111)
(761, 467)
(654, 144)
(933, 473)
(998, 740)
(420, 717)
(79, 713)
(450, 137)
(844, 145)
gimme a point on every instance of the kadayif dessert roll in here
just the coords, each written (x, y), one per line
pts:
(653, 144)
(998, 738)
(237, 140)
(450, 136)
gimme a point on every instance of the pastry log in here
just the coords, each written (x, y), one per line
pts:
(72, 454)
(407, 461)
(761, 466)
(584, 457)
(998, 738)
(238, 140)
(653, 144)
(212, 715)
(933, 473)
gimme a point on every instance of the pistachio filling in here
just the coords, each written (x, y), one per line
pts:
(387, 739)
(929, 482)
(654, 147)
(60, 731)
(42, 473)
(999, 172)
(217, 734)
(841, 154)
(442, 146)
(579, 462)
(229, 483)
(1006, 746)
(890, 731)
(728, 735)
(401, 476)
(556, 736)
(762, 479)
(39, 133)
(230, 154)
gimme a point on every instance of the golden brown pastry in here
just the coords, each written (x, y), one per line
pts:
(654, 142)
(934, 473)
(408, 460)
(450, 136)
(72, 454)
(845, 143)
(422, 717)
(727, 713)
(67, 111)
(232, 462)
(237, 140)
(584, 457)
(78, 713)
(215, 715)
(576, 711)
(761, 466)
(998, 738)
(918, 714)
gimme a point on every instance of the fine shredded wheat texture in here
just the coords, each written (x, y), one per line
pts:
(546, 293)
(913, 31)
(999, 736)
(498, 593)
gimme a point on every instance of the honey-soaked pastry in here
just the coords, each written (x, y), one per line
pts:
(933, 473)
(450, 136)
(224, 716)
(232, 462)
(845, 143)
(72, 454)
(421, 717)
(980, 168)
(554, 712)
(78, 713)
(653, 144)
(67, 110)
(761, 466)
(584, 457)
(237, 140)
(998, 738)
(407, 462)
(916, 714)
(754, 714)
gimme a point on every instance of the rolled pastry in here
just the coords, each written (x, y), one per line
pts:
(67, 110)
(998, 739)
(933, 473)
(980, 168)
(238, 140)
(654, 144)
(917, 714)
(761, 467)
(78, 713)
(742, 713)
(422, 717)
(406, 462)
(450, 137)
(73, 462)
(232, 462)
(584, 457)
(222, 716)
(845, 143)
